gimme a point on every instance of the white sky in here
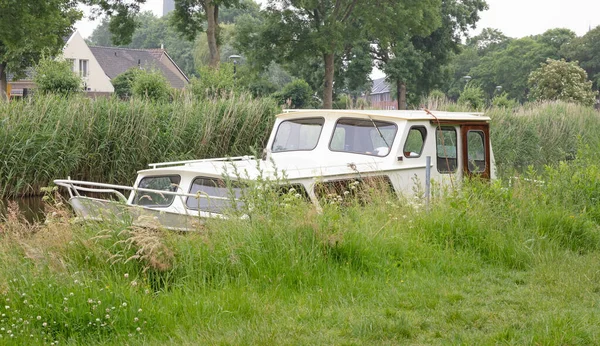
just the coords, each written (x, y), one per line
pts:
(515, 18)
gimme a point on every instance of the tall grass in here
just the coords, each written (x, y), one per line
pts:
(489, 264)
(108, 140)
(534, 134)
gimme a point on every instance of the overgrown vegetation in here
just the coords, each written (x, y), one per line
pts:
(108, 140)
(503, 263)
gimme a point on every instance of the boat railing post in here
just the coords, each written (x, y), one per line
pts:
(427, 180)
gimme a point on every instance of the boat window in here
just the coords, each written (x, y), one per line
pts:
(446, 149)
(157, 199)
(344, 190)
(363, 136)
(415, 141)
(298, 134)
(476, 151)
(219, 198)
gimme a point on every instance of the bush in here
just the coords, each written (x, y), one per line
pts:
(56, 77)
(214, 82)
(561, 80)
(343, 102)
(472, 97)
(123, 83)
(502, 101)
(151, 85)
(296, 94)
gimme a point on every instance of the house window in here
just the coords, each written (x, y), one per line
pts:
(72, 63)
(84, 68)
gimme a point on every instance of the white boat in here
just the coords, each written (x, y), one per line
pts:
(317, 150)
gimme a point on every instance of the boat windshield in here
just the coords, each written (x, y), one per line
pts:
(214, 188)
(363, 136)
(298, 134)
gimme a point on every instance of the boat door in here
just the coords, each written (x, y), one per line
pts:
(476, 150)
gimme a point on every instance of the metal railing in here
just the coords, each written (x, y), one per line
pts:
(187, 162)
(75, 186)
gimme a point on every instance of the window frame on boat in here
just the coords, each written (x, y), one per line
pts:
(297, 121)
(377, 128)
(450, 164)
(171, 198)
(208, 209)
(423, 131)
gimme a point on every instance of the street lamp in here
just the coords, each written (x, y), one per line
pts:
(467, 79)
(499, 89)
(235, 59)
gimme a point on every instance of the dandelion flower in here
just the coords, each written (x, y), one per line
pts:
(39, 318)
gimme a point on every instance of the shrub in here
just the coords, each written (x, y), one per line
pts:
(214, 82)
(561, 80)
(297, 94)
(472, 97)
(502, 101)
(123, 83)
(56, 77)
(151, 85)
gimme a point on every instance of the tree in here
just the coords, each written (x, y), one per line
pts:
(189, 17)
(418, 60)
(561, 80)
(54, 76)
(29, 28)
(295, 32)
(511, 67)
(586, 50)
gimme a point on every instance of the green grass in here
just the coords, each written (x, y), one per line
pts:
(48, 137)
(490, 264)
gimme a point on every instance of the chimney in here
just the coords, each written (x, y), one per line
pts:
(162, 46)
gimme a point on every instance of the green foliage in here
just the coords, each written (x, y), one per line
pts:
(561, 80)
(41, 26)
(290, 34)
(56, 77)
(151, 85)
(503, 101)
(123, 83)
(389, 271)
(537, 135)
(109, 140)
(215, 82)
(473, 97)
(586, 50)
(296, 94)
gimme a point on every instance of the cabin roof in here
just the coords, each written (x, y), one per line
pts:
(391, 114)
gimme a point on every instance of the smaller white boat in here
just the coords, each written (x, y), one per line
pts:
(319, 151)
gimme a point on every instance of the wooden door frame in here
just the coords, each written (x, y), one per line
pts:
(464, 130)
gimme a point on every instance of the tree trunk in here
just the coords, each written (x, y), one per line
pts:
(401, 89)
(328, 90)
(212, 33)
(3, 83)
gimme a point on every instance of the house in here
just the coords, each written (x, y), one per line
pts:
(381, 96)
(97, 66)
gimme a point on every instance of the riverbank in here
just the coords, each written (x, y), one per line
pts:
(491, 264)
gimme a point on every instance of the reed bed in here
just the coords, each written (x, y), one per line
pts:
(108, 140)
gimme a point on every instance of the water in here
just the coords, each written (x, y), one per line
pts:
(32, 208)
